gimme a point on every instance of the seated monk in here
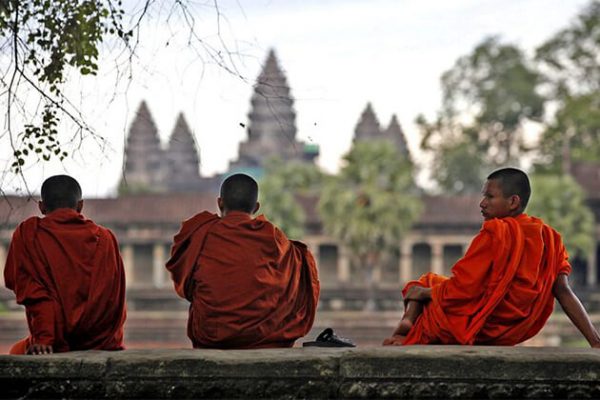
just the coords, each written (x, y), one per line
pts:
(68, 273)
(502, 291)
(249, 285)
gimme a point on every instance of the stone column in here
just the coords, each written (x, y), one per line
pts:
(343, 265)
(158, 265)
(3, 252)
(313, 246)
(591, 276)
(406, 261)
(437, 257)
(377, 274)
(127, 255)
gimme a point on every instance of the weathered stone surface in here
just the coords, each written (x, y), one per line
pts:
(361, 373)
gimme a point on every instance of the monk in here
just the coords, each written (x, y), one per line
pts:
(249, 285)
(68, 273)
(502, 291)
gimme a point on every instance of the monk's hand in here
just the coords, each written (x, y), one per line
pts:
(418, 293)
(37, 349)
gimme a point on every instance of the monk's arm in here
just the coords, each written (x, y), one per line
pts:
(575, 310)
(418, 293)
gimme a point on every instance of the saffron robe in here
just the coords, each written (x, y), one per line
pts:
(500, 292)
(248, 285)
(68, 273)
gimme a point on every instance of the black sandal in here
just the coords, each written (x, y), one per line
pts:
(328, 338)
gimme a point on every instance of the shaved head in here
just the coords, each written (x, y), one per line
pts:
(60, 191)
(513, 181)
(239, 192)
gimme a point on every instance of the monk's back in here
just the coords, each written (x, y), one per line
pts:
(529, 293)
(241, 257)
(248, 285)
(252, 287)
(67, 271)
(69, 244)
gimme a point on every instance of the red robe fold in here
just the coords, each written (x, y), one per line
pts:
(500, 292)
(249, 286)
(68, 273)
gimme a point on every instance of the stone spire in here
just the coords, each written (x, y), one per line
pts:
(182, 158)
(367, 128)
(272, 121)
(395, 134)
(144, 166)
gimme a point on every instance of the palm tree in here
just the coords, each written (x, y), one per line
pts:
(370, 204)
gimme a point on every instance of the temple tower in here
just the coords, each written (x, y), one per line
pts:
(144, 169)
(272, 123)
(367, 128)
(395, 134)
(182, 159)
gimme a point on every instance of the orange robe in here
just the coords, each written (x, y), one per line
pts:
(68, 273)
(248, 285)
(500, 292)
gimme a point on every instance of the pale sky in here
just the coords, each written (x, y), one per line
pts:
(337, 56)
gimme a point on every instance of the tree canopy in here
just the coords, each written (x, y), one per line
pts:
(570, 61)
(560, 202)
(281, 189)
(40, 39)
(487, 96)
(46, 44)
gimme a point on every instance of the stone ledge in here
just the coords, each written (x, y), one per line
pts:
(410, 372)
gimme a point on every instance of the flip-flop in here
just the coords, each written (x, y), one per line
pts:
(328, 338)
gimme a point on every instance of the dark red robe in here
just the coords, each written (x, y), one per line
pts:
(68, 273)
(249, 286)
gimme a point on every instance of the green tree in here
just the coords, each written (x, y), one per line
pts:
(571, 58)
(457, 164)
(40, 39)
(44, 44)
(370, 204)
(487, 96)
(281, 190)
(574, 134)
(571, 63)
(560, 202)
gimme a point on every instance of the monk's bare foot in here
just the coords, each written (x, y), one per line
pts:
(396, 340)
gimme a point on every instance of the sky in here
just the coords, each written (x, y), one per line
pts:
(337, 56)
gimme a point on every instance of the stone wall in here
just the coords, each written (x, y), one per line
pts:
(411, 372)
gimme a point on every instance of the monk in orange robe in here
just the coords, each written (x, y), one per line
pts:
(249, 285)
(502, 291)
(68, 273)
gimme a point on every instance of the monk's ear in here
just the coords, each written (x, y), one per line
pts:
(42, 207)
(256, 207)
(79, 206)
(220, 204)
(515, 202)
